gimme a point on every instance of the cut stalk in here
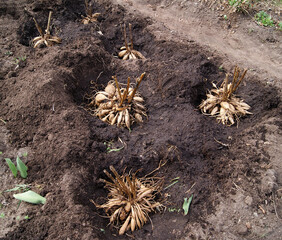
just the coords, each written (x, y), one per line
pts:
(130, 35)
(125, 92)
(124, 36)
(122, 184)
(224, 95)
(130, 187)
(235, 76)
(135, 89)
(38, 28)
(242, 77)
(48, 25)
(119, 93)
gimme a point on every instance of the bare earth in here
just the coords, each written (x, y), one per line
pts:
(234, 173)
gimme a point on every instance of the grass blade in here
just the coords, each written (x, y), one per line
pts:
(12, 166)
(22, 168)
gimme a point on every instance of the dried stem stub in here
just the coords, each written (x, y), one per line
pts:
(127, 51)
(223, 104)
(46, 38)
(119, 104)
(130, 199)
(90, 17)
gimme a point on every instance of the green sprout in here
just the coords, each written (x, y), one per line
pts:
(174, 210)
(110, 147)
(21, 167)
(9, 53)
(19, 59)
(186, 204)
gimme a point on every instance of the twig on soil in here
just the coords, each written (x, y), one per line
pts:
(221, 143)
(237, 187)
(261, 208)
(275, 208)
(3, 121)
(190, 188)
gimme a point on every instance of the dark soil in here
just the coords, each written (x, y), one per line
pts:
(42, 103)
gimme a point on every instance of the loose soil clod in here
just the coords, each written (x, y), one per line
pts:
(127, 52)
(130, 199)
(46, 38)
(221, 102)
(121, 106)
(90, 17)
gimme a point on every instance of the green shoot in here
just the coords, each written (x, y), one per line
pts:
(27, 217)
(19, 59)
(174, 210)
(9, 53)
(12, 166)
(2, 215)
(110, 149)
(22, 168)
(186, 204)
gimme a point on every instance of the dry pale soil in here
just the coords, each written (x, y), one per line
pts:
(234, 172)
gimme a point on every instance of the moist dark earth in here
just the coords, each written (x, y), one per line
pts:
(234, 173)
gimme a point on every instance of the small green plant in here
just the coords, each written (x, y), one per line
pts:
(239, 5)
(2, 215)
(264, 19)
(27, 217)
(21, 167)
(8, 53)
(19, 59)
